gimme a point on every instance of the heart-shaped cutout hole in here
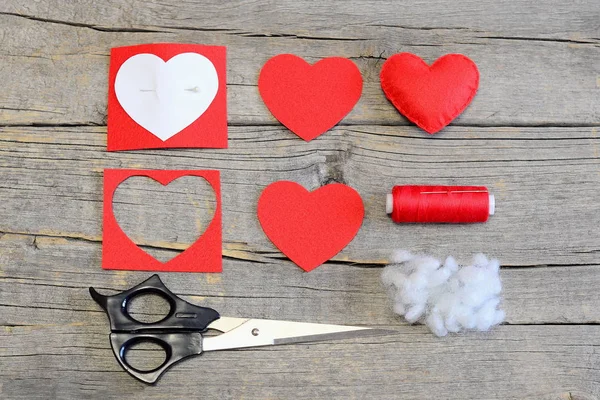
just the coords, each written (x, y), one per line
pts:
(160, 217)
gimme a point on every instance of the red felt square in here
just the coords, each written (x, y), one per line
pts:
(120, 252)
(167, 95)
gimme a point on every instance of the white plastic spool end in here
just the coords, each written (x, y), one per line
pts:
(492, 204)
(389, 203)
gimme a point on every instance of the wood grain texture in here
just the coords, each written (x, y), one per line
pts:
(544, 180)
(546, 80)
(45, 271)
(530, 135)
(55, 337)
(49, 257)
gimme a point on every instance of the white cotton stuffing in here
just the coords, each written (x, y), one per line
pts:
(446, 297)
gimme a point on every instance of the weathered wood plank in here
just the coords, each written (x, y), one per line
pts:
(551, 19)
(54, 338)
(540, 363)
(539, 67)
(41, 273)
(546, 188)
(57, 74)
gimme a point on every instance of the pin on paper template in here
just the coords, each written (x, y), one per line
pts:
(166, 96)
(120, 252)
(310, 227)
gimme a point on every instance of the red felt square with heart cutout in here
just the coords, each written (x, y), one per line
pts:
(167, 95)
(309, 99)
(430, 96)
(120, 252)
(310, 227)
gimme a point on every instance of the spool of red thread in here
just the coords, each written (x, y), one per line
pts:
(440, 204)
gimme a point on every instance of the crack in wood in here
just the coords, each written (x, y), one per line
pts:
(34, 283)
(173, 27)
(53, 125)
(29, 306)
(195, 29)
(592, 41)
(267, 255)
(294, 36)
(31, 109)
(401, 123)
(425, 28)
(496, 137)
(82, 25)
(330, 290)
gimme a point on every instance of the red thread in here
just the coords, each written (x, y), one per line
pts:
(441, 204)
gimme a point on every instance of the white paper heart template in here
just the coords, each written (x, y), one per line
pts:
(166, 97)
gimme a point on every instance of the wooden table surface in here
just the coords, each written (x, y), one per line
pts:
(530, 135)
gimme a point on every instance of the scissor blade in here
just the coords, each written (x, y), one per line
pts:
(335, 336)
(263, 332)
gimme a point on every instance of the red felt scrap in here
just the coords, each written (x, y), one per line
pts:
(310, 227)
(208, 131)
(309, 99)
(120, 252)
(430, 96)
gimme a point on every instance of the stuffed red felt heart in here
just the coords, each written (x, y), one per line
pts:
(430, 96)
(309, 99)
(310, 227)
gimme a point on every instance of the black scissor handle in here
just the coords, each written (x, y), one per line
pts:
(182, 315)
(176, 346)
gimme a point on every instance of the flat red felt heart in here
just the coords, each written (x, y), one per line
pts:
(310, 227)
(309, 99)
(430, 96)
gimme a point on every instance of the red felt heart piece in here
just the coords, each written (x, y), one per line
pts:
(309, 99)
(430, 96)
(310, 227)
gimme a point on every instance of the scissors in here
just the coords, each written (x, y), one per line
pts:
(180, 332)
